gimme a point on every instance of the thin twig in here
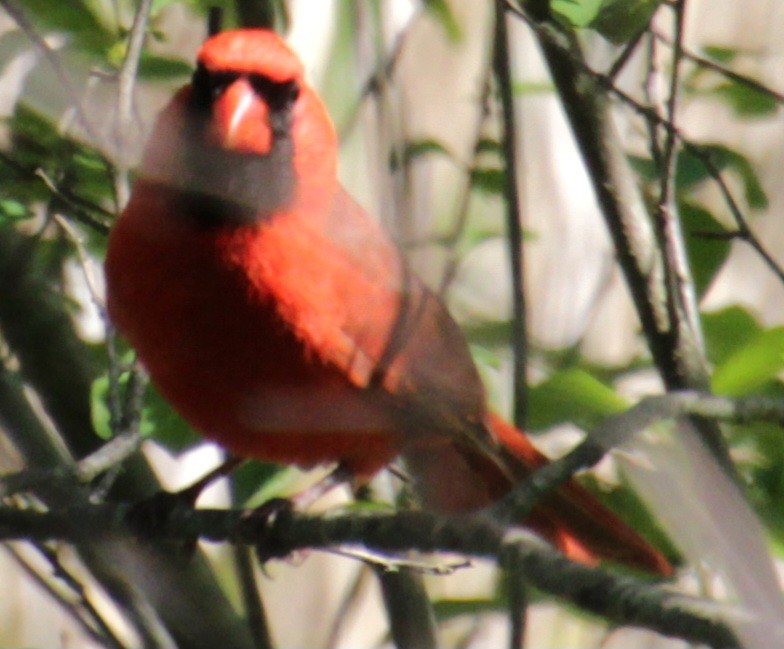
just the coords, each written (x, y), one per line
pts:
(650, 89)
(517, 605)
(372, 85)
(670, 150)
(81, 612)
(618, 429)
(681, 295)
(110, 455)
(509, 139)
(382, 561)
(81, 207)
(744, 231)
(349, 600)
(126, 84)
(412, 623)
(251, 598)
(724, 71)
(84, 262)
(626, 54)
(19, 17)
(450, 239)
(78, 588)
(115, 372)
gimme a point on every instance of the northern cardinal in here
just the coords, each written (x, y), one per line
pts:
(281, 321)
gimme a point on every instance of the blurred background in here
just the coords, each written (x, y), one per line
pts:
(409, 84)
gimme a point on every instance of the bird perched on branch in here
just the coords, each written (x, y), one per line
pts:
(280, 320)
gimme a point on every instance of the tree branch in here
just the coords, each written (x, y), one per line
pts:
(617, 598)
(24, 23)
(485, 534)
(503, 75)
(125, 87)
(675, 346)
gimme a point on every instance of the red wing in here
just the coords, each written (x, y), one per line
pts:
(348, 295)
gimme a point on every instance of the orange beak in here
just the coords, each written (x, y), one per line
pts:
(241, 120)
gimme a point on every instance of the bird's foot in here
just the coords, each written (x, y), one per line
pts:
(149, 518)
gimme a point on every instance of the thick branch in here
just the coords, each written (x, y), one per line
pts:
(483, 535)
(617, 598)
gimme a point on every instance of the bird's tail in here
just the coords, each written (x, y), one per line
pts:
(576, 520)
(453, 478)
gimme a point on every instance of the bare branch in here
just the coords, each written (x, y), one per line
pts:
(503, 75)
(82, 610)
(125, 88)
(681, 294)
(19, 17)
(254, 606)
(618, 598)
(724, 71)
(412, 624)
(80, 208)
(483, 535)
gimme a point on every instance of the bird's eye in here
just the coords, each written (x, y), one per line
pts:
(220, 81)
(207, 85)
(200, 81)
(278, 95)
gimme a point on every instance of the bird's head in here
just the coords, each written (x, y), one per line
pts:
(248, 136)
(248, 82)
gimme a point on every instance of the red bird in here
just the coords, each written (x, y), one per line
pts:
(280, 320)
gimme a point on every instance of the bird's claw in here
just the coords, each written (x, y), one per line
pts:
(261, 523)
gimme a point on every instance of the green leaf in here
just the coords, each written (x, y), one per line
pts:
(489, 145)
(575, 13)
(485, 357)
(619, 21)
(489, 180)
(752, 366)
(728, 330)
(159, 420)
(37, 148)
(759, 455)
(706, 255)
(692, 170)
(632, 510)
(573, 395)
(100, 412)
(153, 67)
(157, 5)
(442, 12)
(416, 149)
(720, 54)
(249, 478)
(12, 211)
(164, 425)
(532, 88)
(745, 100)
(644, 167)
(489, 334)
(78, 19)
(279, 481)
